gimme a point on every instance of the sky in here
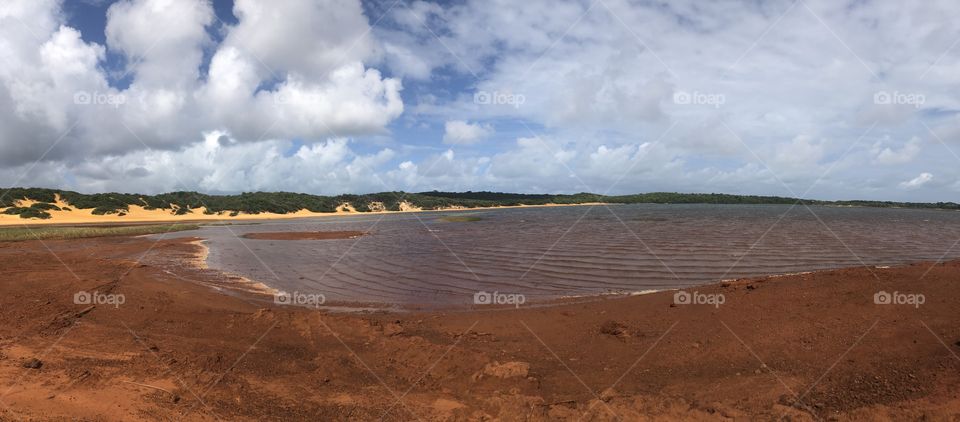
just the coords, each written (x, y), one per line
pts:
(819, 99)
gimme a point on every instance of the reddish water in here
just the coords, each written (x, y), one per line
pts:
(546, 253)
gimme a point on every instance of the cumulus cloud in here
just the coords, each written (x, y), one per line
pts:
(61, 104)
(37, 104)
(219, 164)
(798, 99)
(916, 182)
(304, 37)
(905, 154)
(170, 58)
(587, 90)
(322, 89)
(459, 132)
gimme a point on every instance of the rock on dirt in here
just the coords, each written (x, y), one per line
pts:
(33, 363)
(614, 328)
(393, 329)
(506, 370)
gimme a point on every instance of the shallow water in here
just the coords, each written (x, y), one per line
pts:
(545, 253)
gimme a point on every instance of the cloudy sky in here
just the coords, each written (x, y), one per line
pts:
(823, 99)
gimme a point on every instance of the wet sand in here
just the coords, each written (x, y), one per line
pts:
(184, 345)
(331, 235)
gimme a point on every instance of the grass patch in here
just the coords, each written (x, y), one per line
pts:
(460, 218)
(59, 233)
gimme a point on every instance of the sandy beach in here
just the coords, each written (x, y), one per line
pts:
(184, 344)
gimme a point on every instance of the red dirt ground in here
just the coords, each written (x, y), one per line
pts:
(185, 345)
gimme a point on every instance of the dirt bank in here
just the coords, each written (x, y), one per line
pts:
(155, 338)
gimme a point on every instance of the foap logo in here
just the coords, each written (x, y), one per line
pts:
(97, 298)
(899, 98)
(699, 98)
(897, 298)
(299, 299)
(497, 298)
(696, 298)
(499, 98)
(99, 99)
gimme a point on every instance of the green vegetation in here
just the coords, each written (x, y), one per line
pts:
(38, 210)
(77, 232)
(182, 203)
(460, 218)
(45, 206)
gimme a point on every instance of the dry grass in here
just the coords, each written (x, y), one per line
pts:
(77, 232)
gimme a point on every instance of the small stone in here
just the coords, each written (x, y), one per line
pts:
(393, 329)
(33, 363)
(507, 370)
(614, 328)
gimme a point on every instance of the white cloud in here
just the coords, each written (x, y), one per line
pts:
(44, 65)
(802, 156)
(798, 99)
(261, 84)
(322, 88)
(597, 91)
(162, 40)
(459, 132)
(310, 39)
(218, 164)
(922, 179)
(906, 154)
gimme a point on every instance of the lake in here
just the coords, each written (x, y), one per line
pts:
(551, 252)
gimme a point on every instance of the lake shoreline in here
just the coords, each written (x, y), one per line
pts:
(806, 346)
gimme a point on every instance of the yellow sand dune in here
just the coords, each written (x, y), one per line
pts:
(137, 214)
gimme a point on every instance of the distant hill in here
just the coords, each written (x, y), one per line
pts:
(181, 203)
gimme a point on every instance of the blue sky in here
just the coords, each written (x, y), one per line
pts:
(806, 98)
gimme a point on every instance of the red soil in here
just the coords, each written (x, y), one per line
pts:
(805, 347)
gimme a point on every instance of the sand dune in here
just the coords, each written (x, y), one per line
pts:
(137, 214)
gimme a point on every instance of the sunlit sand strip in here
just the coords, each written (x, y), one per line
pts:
(137, 214)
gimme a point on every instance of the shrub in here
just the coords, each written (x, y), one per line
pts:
(45, 206)
(34, 213)
(107, 209)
